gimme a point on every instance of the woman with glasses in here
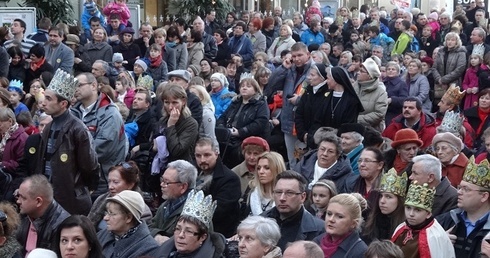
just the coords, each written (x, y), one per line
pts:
(9, 221)
(126, 235)
(192, 237)
(448, 149)
(76, 237)
(124, 176)
(388, 210)
(342, 224)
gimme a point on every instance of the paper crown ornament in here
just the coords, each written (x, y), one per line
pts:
(16, 85)
(199, 207)
(245, 75)
(454, 95)
(355, 14)
(145, 82)
(451, 123)
(392, 183)
(63, 84)
(420, 196)
(339, 21)
(478, 174)
(478, 50)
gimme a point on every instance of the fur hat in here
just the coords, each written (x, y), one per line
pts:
(404, 136)
(221, 78)
(372, 68)
(142, 64)
(450, 138)
(351, 127)
(132, 201)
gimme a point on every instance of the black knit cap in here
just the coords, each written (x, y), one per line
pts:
(351, 127)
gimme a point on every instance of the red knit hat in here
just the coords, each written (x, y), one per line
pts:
(404, 136)
(427, 60)
(255, 140)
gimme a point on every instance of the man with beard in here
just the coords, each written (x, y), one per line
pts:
(59, 55)
(216, 179)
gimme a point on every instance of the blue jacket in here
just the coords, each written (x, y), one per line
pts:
(309, 37)
(86, 19)
(221, 101)
(242, 46)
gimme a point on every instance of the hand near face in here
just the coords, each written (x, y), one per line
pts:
(174, 117)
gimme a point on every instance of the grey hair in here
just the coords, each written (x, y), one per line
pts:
(6, 114)
(266, 229)
(186, 172)
(311, 249)
(104, 64)
(39, 186)
(481, 32)
(379, 47)
(393, 64)
(447, 15)
(357, 136)
(409, 14)
(430, 164)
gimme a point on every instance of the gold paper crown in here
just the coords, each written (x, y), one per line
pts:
(145, 81)
(63, 84)
(199, 207)
(339, 20)
(451, 123)
(453, 94)
(478, 174)
(420, 196)
(355, 14)
(392, 183)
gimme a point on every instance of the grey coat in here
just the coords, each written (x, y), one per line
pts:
(419, 88)
(138, 244)
(451, 69)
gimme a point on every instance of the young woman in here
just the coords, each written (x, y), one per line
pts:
(76, 237)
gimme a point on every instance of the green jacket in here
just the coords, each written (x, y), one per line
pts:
(401, 44)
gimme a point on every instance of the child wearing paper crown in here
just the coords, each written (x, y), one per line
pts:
(90, 10)
(16, 94)
(421, 235)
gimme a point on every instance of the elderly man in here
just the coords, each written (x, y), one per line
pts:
(40, 214)
(448, 149)
(467, 225)
(413, 117)
(478, 45)
(427, 169)
(352, 137)
(210, 47)
(303, 249)
(103, 120)
(176, 182)
(405, 145)
(298, 25)
(146, 38)
(295, 222)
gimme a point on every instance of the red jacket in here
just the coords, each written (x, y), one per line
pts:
(426, 128)
(454, 172)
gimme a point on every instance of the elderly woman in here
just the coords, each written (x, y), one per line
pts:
(192, 237)
(258, 237)
(10, 220)
(405, 145)
(76, 237)
(326, 162)
(124, 176)
(372, 93)
(449, 65)
(418, 84)
(130, 51)
(478, 117)
(98, 48)
(448, 149)
(269, 165)
(342, 225)
(281, 43)
(248, 115)
(126, 235)
(387, 211)
(11, 148)
(397, 91)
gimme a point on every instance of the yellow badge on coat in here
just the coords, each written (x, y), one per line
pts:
(32, 150)
(64, 157)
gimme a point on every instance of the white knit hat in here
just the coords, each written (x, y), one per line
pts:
(221, 78)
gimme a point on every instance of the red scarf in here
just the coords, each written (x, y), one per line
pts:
(482, 114)
(35, 66)
(156, 62)
(424, 251)
(399, 164)
(329, 246)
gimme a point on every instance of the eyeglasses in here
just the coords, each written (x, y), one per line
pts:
(168, 183)
(110, 214)
(186, 232)
(288, 194)
(83, 84)
(466, 189)
(366, 161)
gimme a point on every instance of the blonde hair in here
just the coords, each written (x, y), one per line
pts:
(105, 33)
(160, 32)
(202, 93)
(253, 83)
(453, 35)
(177, 92)
(276, 166)
(354, 203)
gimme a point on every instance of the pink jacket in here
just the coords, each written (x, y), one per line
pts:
(120, 9)
(128, 99)
(435, 28)
(470, 78)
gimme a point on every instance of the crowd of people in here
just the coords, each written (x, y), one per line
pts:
(366, 135)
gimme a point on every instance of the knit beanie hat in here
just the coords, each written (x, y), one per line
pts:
(90, 7)
(142, 64)
(221, 78)
(372, 68)
(433, 15)
(195, 69)
(117, 58)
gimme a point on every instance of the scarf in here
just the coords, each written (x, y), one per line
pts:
(156, 62)
(482, 114)
(399, 164)
(6, 137)
(329, 246)
(35, 66)
(174, 205)
(130, 232)
(421, 229)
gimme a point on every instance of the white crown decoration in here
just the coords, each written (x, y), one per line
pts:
(451, 122)
(199, 207)
(63, 84)
(16, 84)
(478, 50)
(245, 75)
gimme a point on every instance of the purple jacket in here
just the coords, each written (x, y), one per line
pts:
(14, 149)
